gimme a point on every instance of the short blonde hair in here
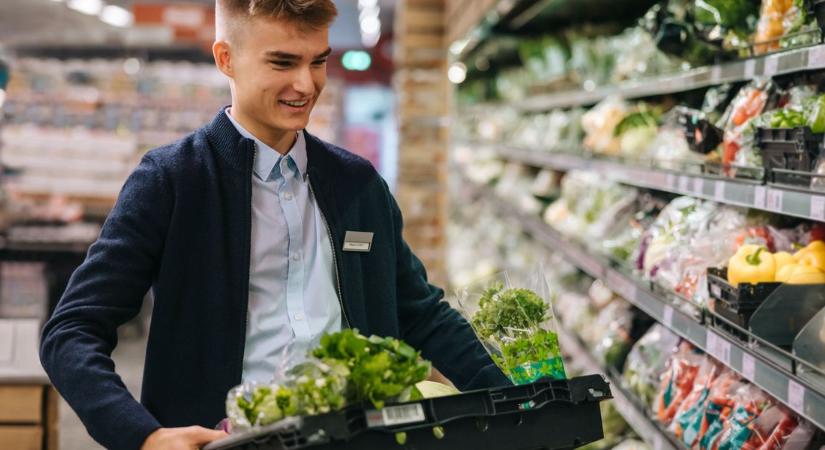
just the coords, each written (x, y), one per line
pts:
(231, 14)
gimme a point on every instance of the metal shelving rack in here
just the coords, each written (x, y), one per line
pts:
(797, 393)
(772, 198)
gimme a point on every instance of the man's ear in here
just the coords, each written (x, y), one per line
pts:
(222, 53)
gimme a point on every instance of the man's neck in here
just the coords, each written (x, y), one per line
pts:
(280, 140)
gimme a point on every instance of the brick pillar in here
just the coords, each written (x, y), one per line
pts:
(423, 94)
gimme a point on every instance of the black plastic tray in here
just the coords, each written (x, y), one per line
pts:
(701, 135)
(789, 150)
(736, 304)
(542, 415)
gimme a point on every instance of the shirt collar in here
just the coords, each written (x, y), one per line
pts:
(267, 158)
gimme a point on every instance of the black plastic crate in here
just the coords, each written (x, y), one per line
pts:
(736, 304)
(789, 154)
(546, 414)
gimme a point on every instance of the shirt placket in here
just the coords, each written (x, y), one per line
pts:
(295, 272)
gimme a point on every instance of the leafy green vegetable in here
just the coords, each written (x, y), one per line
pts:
(380, 368)
(644, 118)
(512, 320)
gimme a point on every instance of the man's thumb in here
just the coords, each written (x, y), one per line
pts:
(203, 435)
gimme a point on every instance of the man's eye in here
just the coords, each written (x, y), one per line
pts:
(319, 62)
(281, 64)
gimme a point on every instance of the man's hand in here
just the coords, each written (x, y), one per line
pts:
(187, 438)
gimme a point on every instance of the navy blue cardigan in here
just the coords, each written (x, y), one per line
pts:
(181, 226)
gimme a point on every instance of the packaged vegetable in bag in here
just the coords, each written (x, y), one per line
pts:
(687, 422)
(722, 405)
(517, 326)
(749, 103)
(677, 382)
(647, 361)
(599, 125)
(783, 24)
(742, 430)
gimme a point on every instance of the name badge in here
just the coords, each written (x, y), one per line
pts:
(358, 241)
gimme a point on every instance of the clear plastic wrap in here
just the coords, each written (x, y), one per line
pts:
(688, 421)
(677, 382)
(741, 429)
(600, 122)
(739, 135)
(516, 325)
(724, 396)
(647, 361)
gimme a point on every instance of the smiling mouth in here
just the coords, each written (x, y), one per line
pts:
(295, 104)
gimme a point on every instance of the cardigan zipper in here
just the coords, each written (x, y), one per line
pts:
(334, 258)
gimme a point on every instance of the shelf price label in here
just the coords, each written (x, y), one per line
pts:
(771, 66)
(698, 186)
(716, 74)
(658, 443)
(816, 57)
(796, 396)
(818, 207)
(718, 347)
(750, 68)
(719, 191)
(671, 181)
(667, 317)
(684, 183)
(749, 366)
(759, 194)
(774, 200)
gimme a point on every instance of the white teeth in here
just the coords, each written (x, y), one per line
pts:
(296, 104)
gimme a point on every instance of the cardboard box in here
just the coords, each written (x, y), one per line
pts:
(21, 404)
(21, 437)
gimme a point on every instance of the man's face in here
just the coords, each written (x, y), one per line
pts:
(279, 70)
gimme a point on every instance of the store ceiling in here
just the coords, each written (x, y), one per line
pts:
(48, 22)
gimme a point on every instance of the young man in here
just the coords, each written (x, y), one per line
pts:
(244, 231)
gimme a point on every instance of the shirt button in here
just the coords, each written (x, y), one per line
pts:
(288, 196)
(296, 256)
(298, 316)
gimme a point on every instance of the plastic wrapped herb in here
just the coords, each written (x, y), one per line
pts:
(518, 328)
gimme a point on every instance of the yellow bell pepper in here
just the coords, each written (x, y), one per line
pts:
(782, 259)
(751, 264)
(800, 274)
(812, 255)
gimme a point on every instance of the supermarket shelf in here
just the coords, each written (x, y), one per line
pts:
(798, 203)
(785, 387)
(809, 58)
(635, 416)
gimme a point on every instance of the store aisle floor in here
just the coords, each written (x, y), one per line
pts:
(128, 358)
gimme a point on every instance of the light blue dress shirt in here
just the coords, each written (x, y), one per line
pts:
(292, 294)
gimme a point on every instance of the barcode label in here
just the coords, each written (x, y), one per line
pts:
(622, 286)
(718, 347)
(715, 74)
(816, 57)
(396, 415)
(671, 181)
(818, 207)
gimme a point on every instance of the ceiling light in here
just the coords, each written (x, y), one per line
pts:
(362, 4)
(370, 25)
(369, 12)
(356, 60)
(90, 7)
(131, 66)
(370, 40)
(457, 73)
(116, 16)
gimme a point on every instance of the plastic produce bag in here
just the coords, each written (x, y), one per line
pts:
(647, 361)
(516, 325)
(724, 397)
(677, 382)
(742, 430)
(689, 420)
(783, 24)
(600, 123)
(749, 103)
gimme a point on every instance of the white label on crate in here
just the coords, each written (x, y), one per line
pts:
(716, 291)
(395, 415)
(684, 183)
(759, 193)
(771, 66)
(796, 396)
(749, 366)
(818, 207)
(750, 68)
(671, 181)
(719, 191)
(668, 316)
(774, 200)
(816, 57)
(698, 186)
